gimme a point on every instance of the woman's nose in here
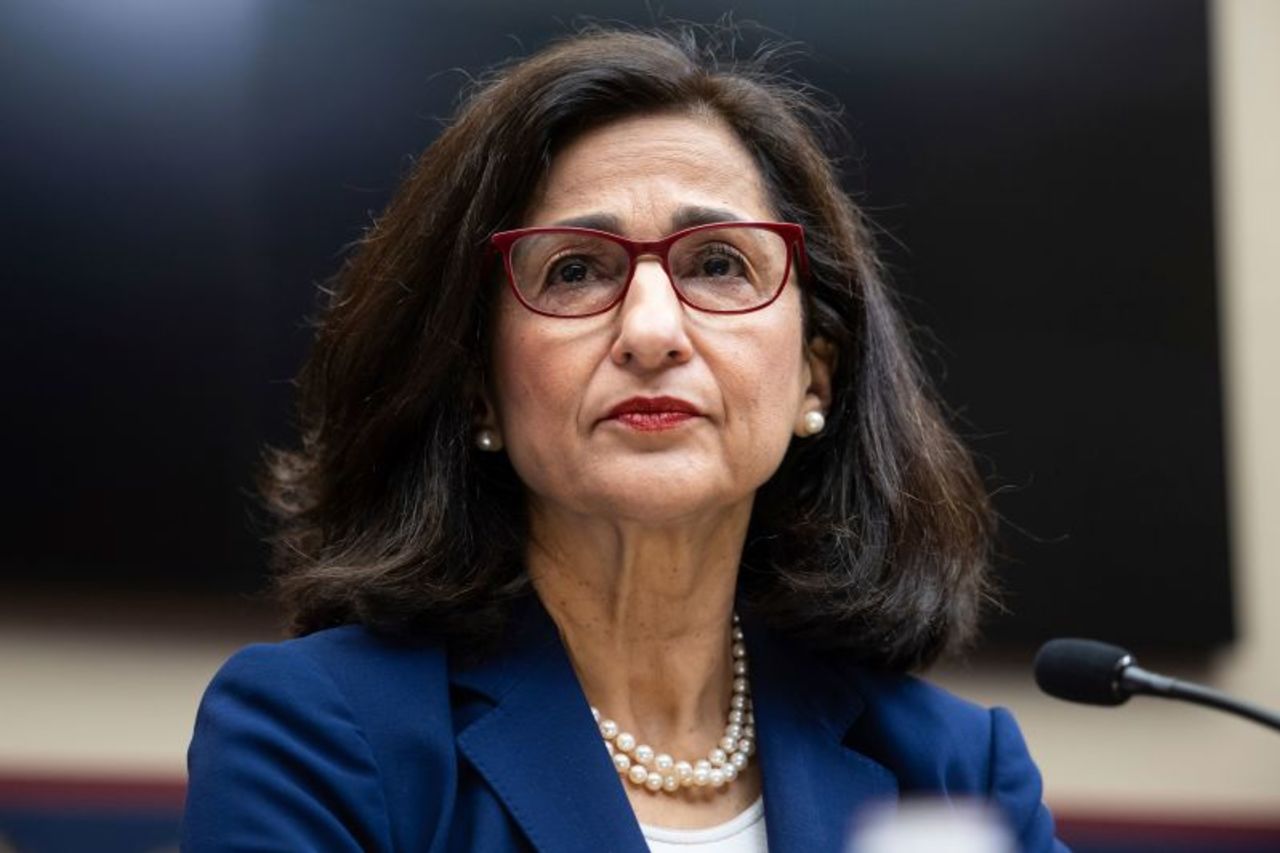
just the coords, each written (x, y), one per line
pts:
(652, 332)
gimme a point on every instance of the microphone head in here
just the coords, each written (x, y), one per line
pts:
(1082, 671)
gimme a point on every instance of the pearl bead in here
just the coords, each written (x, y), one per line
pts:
(730, 771)
(746, 746)
(739, 650)
(738, 760)
(717, 757)
(727, 744)
(740, 667)
(663, 762)
(814, 422)
(643, 753)
(622, 761)
(487, 440)
(736, 634)
(738, 701)
(684, 771)
(670, 783)
(608, 729)
(625, 741)
(737, 716)
(716, 778)
(701, 776)
(739, 685)
(654, 782)
(733, 730)
(638, 774)
(749, 731)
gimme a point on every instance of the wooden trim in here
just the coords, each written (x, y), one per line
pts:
(105, 793)
(1155, 827)
(166, 794)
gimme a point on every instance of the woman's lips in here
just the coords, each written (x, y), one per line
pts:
(653, 414)
(653, 421)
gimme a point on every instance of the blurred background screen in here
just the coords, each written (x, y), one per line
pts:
(179, 178)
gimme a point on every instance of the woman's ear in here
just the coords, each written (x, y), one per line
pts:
(820, 355)
(485, 431)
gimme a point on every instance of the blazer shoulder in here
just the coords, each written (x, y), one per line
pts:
(931, 738)
(355, 656)
(394, 687)
(938, 743)
(318, 742)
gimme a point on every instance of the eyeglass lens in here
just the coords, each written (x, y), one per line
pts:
(567, 273)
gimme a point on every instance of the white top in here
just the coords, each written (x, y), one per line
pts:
(743, 833)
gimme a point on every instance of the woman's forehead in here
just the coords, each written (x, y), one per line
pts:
(663, 171)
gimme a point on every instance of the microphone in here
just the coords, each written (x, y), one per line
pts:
(1095, 673)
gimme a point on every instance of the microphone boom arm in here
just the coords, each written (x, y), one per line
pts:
(1135, 679)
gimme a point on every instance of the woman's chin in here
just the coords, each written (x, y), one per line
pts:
(662, 495)
(685, 481)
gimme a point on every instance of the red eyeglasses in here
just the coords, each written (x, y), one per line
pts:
(720, 268)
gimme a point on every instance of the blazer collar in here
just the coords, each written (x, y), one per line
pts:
(538, 749)
(813, 784)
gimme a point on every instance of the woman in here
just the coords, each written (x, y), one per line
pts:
(621, 501)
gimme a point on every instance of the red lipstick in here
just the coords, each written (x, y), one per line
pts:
(653, 414)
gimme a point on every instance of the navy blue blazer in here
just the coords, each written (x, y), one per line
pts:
(348, 740)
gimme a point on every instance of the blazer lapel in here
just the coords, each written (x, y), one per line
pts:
(813, 784)
(538, 748)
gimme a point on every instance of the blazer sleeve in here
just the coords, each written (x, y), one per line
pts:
(278, 763)
(1015, 787)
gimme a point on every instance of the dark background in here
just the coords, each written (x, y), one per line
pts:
(177, 178)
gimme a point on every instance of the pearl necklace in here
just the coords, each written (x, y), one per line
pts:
(658, 771)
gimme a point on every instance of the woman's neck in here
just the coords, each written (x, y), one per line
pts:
(645, 613)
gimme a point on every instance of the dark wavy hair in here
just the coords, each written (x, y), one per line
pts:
(871, 540)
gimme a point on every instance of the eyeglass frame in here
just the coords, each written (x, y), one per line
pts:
(791, 233)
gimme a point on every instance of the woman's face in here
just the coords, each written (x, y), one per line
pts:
(557, 382)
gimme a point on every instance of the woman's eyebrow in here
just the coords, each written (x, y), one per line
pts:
(684, 217)
(598, 221)
(687, 217)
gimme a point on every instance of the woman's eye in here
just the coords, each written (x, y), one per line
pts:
(721, 262)
(572, 270)
(717, 266)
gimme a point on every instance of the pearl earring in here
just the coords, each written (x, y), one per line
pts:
(814, 422)
(487, 440)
